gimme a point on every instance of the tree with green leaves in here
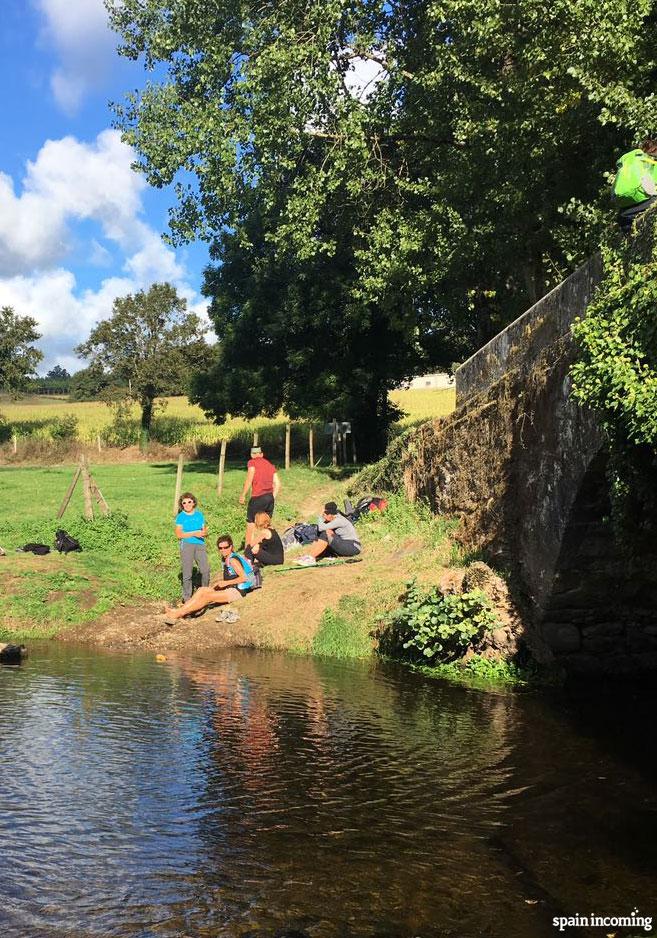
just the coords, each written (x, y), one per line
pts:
(88, 384)
(57, 373)
(18, 357)
(456, 190)
(152, 343)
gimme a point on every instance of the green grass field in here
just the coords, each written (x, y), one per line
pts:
(130, 555)
(178, 421)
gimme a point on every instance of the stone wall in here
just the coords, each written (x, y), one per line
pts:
(521, 343)
(523, 467)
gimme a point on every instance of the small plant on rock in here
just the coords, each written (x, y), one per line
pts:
(432, 627)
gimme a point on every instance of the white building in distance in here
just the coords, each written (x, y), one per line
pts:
(438, 381)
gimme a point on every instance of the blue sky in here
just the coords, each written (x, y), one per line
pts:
(77, 226)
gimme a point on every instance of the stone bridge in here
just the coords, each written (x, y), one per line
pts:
(523, 466)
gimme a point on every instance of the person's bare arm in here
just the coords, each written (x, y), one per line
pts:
(183, 535)
(250, 472)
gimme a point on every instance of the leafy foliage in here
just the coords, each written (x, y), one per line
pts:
(151, 342)
(484, 672)
(615, 374)
(362, 236)
(58, 374)
(18, 357)
(64, 427)
(431, 627)
(88, 384)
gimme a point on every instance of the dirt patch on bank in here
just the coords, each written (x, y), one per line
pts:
(286, 613)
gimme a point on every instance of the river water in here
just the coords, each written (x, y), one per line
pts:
(260, 794)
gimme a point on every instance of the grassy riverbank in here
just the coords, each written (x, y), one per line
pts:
(113, 589)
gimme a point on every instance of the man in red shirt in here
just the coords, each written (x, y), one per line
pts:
(262, 479)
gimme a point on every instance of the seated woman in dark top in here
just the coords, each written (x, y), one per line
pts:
(267, 547)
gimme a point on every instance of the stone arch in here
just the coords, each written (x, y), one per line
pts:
(600, 614)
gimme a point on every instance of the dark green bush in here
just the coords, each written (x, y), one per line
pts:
(615, 374)
(64, 427)
(5, 429)
(431, 628)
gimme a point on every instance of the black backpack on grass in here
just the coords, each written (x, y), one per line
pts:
(65, 543)
(39, 549)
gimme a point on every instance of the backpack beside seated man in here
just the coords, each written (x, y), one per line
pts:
(337, 537)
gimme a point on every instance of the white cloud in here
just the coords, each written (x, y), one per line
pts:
(66, 316)
(363, 75)
(99, 256)
(154, 260)
(71, 182)
(79, 32)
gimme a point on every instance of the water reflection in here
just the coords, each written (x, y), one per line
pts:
(260, 792)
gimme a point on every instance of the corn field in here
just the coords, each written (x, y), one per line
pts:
(177, 422)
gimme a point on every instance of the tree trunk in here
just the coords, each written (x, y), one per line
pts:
(371, 421)
(146, 419)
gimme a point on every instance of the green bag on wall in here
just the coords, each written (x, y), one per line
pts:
(636, 179)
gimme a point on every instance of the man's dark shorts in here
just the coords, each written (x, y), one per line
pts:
(338, 546)
(259, 503)
(629, 215)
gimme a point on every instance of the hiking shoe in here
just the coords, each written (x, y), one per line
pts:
(228, 616)
(306, 561)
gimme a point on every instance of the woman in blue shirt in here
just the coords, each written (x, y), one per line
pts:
(191, 531)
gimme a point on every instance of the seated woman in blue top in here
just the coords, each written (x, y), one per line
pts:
(191, 531)
(236, 581)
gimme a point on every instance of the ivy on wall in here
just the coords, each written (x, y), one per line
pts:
(615, 374)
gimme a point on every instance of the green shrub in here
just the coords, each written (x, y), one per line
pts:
(124, 429)
(64, 427)
(171, 431)
(615, 374)
(431, 627)
(5, 429)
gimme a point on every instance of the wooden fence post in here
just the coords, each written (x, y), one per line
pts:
(353, 447)
(255, 438)
(86, 485)
(344, 446)
(98, 442)
(334, 444)
(287, 445)
(222, 466)
(311, 448)
(98, 495)
(69, 492)
(179, 474)
(15, 442)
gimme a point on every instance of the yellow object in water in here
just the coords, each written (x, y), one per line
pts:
(160, 657)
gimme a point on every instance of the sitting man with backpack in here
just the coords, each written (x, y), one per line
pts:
(635, 184)
(337, 538)
(237, 579)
